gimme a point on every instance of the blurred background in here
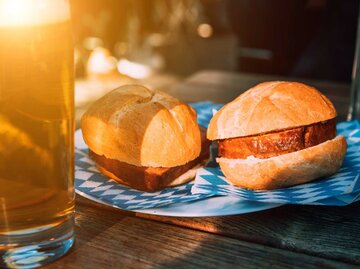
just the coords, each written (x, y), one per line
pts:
(298, 38)
(166, 43)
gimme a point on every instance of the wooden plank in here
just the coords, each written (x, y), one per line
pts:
(216, 86)
(244, 81)
(222, 87)
(195, 93)
(107, 238)
(329, 232)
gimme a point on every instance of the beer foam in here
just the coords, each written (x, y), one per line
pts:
(33, 12)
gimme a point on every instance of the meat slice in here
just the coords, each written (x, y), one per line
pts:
(149, 179)
(319, 133)
(277, 143)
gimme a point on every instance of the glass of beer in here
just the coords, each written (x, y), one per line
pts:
(36, 132)
(354, 108)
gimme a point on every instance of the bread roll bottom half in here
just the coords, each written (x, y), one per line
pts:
(288, 169)
(151, 179)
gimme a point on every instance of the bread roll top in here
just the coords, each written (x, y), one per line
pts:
(268, 107)
(142, 127)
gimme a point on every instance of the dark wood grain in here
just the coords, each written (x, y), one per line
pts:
(329, 232)
(111, 238)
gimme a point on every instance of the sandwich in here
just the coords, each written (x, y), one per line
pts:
(145, 139)
(277, 134)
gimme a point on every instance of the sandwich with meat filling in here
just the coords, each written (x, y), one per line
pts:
(145, 139)
(277, 134)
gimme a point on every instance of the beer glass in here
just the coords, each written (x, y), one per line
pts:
(354, 108)
(36, 132)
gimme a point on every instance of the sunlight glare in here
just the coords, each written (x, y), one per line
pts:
(32, 12)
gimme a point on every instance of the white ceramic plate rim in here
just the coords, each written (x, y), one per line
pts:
(209, 207)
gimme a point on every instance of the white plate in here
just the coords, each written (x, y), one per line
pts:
(210, 207)
(213, 206)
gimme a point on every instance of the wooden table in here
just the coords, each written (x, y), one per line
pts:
(284, 237)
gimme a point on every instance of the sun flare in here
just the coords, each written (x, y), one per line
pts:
(31, 12)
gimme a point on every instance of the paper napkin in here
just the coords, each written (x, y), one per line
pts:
(342, 188)
(91, 183)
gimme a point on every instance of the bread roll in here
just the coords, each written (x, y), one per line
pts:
(270, 106)
(289, 126)
(141, 127)
(288, 169)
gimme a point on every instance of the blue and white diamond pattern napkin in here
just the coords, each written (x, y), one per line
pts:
(340, 189)
(205, 111)
(345, 185)
(89, 182)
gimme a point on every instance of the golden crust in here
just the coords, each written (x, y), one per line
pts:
(142, 127)
(288, 169)
(270, 106)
